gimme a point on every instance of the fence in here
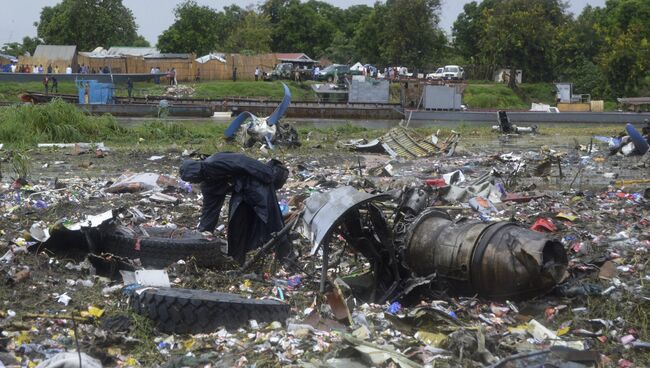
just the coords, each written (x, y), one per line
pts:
(60, 63)
(216, 70)
(480, 72)
(186, 69)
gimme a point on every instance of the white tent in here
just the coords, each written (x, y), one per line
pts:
(208, 57)
(357, 66)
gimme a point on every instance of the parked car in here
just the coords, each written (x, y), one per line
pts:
(289, 71)
(438, 74)
(453, 72)
(339, 70)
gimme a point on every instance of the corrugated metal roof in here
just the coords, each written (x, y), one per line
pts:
(293, 56)
(133, 51)
(167, 56)
(55, 52)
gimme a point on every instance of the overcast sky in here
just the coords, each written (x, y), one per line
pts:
(154, 16)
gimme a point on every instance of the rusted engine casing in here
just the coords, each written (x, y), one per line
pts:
(495, 260)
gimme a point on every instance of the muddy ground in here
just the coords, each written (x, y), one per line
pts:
(611, 229)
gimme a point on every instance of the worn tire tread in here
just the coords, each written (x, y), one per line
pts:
(161, 252)
(199, 311)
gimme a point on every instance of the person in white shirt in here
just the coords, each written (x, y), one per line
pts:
(68, 70)
(13, 67)
(316, 72)
(257, 73)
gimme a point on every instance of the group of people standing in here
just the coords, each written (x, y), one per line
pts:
(39, 69)
(171, 75)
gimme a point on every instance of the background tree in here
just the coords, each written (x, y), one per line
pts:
(469, 28)
(412, 36)
(88, 24)
(520, 34)
(369, 38)
(253, 34)
(195, 30)
(21, 48)
(301, 28)
(228, 20)
(578, 45)
(271, 8)
(625, 57)
(342, 50)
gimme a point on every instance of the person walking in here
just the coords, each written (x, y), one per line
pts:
(55, 84)
(46, 82)
(257, 73)
(129, 87)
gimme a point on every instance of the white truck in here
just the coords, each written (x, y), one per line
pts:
(438, 74)
(453, 72)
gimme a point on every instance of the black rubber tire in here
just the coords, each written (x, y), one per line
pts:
(162, 252)
(199, 311)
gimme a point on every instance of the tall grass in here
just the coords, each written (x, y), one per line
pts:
(492, 96)
(54, 122)
(60, 122)
(261, 89)
(10, 91)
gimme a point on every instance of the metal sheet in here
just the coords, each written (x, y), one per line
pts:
(369, 91)
(441, 98)
(324, 210)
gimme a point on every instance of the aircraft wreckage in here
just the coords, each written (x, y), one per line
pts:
(268, 130)
(416, 246)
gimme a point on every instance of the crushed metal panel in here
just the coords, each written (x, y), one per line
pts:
(405, 145)
(323, 211)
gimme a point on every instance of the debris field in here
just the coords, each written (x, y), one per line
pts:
(501, 251)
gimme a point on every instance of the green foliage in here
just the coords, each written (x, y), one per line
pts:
(538, 92)
(271, 90)
(301, 27)
(88, 24)
(625, 58)
(196, 30)
(21, 48)
(494, 96)
(604, 51)
(520, 34)
(368, 38)
(411, 35)
(401, 32)
(468, 29)
(20, 164)
(341, 51)
(254, 34)
(10, 91)
(54, 122)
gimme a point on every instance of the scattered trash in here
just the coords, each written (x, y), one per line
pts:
(403, 262)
